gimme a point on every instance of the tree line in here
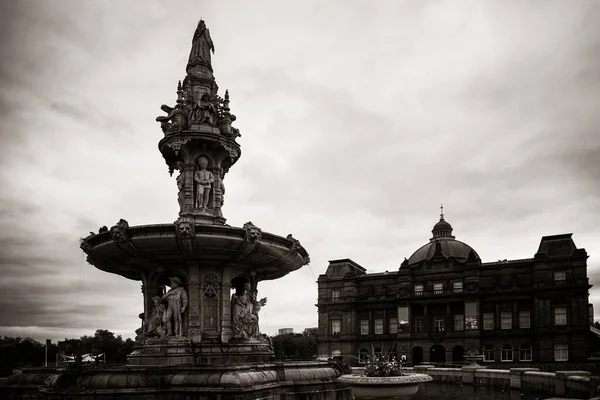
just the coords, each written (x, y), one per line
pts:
(18, 352)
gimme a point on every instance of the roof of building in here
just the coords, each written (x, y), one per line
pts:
(443, 244)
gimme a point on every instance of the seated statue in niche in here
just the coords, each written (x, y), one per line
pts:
(204, 180)
(204, 111)
(177, 302)
(245, 313)
(155, 325)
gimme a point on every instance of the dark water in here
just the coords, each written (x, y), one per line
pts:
(451, 391)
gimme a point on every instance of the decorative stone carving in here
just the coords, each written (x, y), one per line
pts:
(84, 245)
(177, 302)
(119, 231)
(210, 286)
(176, 144)
(253, 233)
(204, 180)
(295, 243)
(202, 45)
(185, 228)
(245, 313)
(176, 119)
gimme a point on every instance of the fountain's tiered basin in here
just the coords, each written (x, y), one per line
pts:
(150, 248)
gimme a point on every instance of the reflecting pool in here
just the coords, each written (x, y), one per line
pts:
(451, 391)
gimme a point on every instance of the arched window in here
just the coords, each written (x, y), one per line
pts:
(488, 353)
(561, 352)
(506, 353)
(525, 352)
(363, 356)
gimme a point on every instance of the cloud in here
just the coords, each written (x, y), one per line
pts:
(357, 123)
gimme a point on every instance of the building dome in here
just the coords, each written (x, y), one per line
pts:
(443, 244)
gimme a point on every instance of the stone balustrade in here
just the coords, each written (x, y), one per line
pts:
(575, 384)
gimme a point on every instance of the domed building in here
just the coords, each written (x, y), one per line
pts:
(444, 302)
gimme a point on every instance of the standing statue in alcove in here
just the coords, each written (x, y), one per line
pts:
(180, 185)
(204, 179)
(245, 313)
(177, 302)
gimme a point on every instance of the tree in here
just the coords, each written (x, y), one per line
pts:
(294, 346)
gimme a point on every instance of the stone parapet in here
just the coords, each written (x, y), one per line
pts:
(516, 375)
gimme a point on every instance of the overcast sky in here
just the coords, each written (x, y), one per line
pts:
(358, 119)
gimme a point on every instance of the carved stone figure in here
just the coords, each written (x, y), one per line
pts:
(119, 231)
(245, 310)
(253, 233)
(155, 325)
(204, 111)
(176, 119)
(204, 179)
(180, 185)
(185, 228)
(177, 302)
(202, 45)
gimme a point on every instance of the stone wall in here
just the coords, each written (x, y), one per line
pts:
(575, 384)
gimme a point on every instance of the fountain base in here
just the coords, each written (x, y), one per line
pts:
(290, 380)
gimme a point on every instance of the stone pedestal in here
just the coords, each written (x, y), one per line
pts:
(468, 373)
(163, 352)
(561, 380)
(516, 375)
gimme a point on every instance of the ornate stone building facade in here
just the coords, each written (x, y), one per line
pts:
(443, 303)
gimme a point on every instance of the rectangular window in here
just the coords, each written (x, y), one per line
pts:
(471, 315)
(438, 288)
(364, 326)
(419, 324)
(438, 323)
(560, 277)
(336, 327)
(418, 290)
(525, 353)
(403, 325)
(488, 321)
(561, 352)
(393, 325)
(459, 322)
(457, 287)
(506, 353)
(488, 353)
(560, 316)
(524, 319)
(506, 320)
(335, 295)
(378, 326)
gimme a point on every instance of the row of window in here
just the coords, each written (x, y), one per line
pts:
(525, 352)
(439, 321)
(457, 286)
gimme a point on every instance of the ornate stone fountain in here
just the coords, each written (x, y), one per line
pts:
(201, 337)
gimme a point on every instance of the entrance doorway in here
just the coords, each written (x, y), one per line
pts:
(417, 355)
(458, 354)
(437, 353)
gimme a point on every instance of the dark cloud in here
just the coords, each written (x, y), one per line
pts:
(356, 124)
